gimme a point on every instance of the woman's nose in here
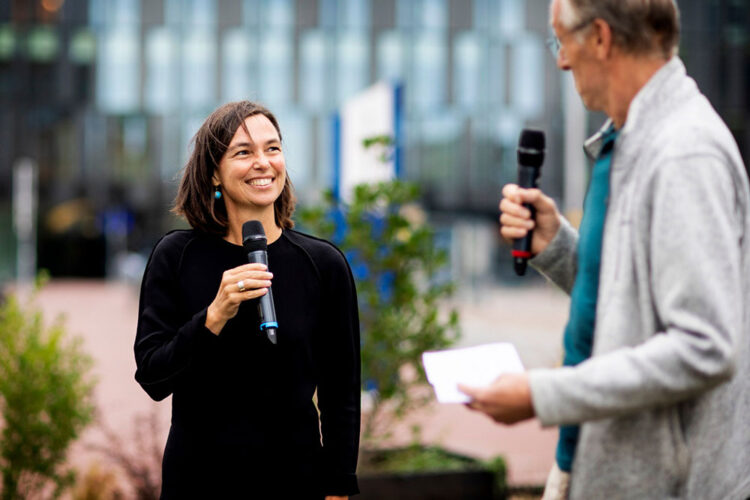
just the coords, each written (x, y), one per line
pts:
(261, 162)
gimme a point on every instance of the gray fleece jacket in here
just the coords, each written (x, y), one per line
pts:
(665, 398)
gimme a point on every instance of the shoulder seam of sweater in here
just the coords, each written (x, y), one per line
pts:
(297, 244)
(190, 240)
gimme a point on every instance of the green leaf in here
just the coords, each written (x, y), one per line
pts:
(45, 398)
(396, 326)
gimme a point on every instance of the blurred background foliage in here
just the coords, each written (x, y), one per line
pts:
(104, 96)
(45, 400)
(402, 294)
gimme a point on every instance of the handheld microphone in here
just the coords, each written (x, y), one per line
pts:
(530, 159)
(254, 243)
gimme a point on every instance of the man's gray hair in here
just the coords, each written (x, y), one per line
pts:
(638, 26)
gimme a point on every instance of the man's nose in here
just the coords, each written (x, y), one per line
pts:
(562, 63)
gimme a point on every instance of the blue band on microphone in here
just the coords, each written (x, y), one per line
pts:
(269, 324)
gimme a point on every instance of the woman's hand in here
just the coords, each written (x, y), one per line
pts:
(242, 283)
(516, 219)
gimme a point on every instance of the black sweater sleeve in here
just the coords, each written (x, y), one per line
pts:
(165, 342)
(339, 386)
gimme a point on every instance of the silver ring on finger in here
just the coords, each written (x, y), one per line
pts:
(241, 285)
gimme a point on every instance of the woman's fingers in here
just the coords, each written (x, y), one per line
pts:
(253, 293)
(245, 282)
(246, 277)
(256, 266)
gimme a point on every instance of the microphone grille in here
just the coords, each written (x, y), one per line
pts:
(531, 139)
(253, 236)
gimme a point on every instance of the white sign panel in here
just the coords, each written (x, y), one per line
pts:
(372, 113)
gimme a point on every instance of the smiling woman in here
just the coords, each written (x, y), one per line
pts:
(251, 174)
(244, 424)
(225, 137)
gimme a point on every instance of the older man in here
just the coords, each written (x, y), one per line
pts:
(659, 277)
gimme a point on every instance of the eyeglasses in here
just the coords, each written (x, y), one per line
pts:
(553, 42)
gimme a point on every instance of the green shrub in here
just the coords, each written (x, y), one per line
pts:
(45, 399)
(417, 458)
(395, 259)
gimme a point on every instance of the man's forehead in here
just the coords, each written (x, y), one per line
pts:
(554, 12)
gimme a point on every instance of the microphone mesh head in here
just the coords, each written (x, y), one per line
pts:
(531, 139)
(253, 236)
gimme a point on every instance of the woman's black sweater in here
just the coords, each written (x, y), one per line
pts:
(243, 419)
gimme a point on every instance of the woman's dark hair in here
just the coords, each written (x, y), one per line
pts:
(195, 197)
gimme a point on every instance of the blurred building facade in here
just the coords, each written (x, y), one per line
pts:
(104, 95)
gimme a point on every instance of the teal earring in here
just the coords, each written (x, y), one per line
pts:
(217, 193)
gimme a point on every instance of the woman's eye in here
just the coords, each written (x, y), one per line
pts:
(242, 152)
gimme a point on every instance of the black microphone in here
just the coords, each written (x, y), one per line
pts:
(254, 243)
(530, 159)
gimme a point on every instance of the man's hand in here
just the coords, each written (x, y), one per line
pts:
(507, 400)
(516, 219)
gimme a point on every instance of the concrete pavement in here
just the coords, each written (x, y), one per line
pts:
(104, 314)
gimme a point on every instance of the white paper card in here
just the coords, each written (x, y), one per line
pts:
(477, 366)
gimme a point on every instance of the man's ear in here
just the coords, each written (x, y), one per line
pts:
(602, 36)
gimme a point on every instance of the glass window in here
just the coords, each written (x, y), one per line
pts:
(527, 70)
(278, 14)
(161, 53)
(327, 14)
(497, 75)
(511, 19)
(314, 62)
(507, 127)
(441, 127)
(238, 56)
(118, 58)
(118, 70)
(190, 125)
(353, 63)
(201, 13)
(433, 15)
(199, 68)
(325, 130)
(250, 15)
(405, 14)
(115, 12)
(275, 71)
(429, 71)
(481, 14)
(390, 56)
(468, 73)
(298, 152)
(355, 14)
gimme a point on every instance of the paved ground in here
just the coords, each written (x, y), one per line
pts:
(104, 315)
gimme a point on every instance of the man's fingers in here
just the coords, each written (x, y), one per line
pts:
(510, 207)
(513, 221)
(513, 233)
(472, 392)
(510, 191)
